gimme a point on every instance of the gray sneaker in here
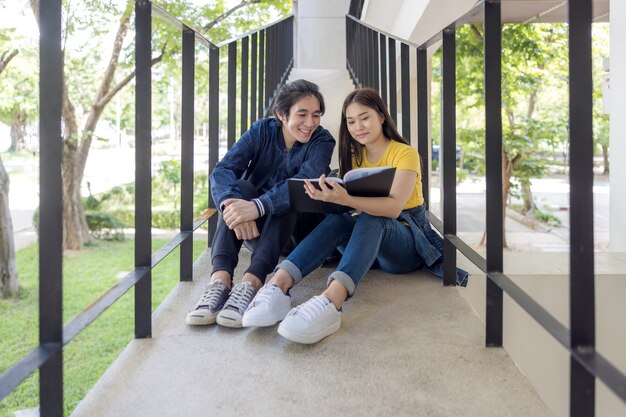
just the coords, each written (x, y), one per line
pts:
(237, 303)
(209, 305)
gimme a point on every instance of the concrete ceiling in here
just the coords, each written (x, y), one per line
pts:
(440, 13)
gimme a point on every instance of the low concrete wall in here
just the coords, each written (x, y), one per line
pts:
(544, 276)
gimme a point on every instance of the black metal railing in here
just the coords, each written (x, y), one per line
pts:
(371, 64)
(274, 41)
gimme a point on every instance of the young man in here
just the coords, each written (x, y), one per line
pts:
(293, 144)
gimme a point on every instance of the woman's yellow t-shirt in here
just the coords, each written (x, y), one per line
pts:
(400, 156)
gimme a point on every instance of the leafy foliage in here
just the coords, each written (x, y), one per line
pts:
(105, 226)
(534, 94)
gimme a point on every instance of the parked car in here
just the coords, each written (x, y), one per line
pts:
(435, 153)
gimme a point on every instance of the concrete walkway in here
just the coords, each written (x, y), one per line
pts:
(407, 347)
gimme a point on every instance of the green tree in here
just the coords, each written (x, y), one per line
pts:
(9, 283)
(76, 141)
(170, 173)
(534, 56)
(600, 49)
(79, 73)
(18, 104)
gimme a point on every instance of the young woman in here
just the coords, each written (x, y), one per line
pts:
(392, 231)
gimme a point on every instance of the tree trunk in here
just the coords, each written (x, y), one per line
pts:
(18, 131)
(6, 57)
(527, 197)
(9, 283)
(75, 229)
(605, 158)
(507, 171)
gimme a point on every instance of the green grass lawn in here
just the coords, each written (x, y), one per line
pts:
(86, 276)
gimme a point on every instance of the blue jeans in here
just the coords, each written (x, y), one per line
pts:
(362, 240)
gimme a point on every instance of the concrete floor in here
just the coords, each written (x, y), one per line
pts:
(407, 347)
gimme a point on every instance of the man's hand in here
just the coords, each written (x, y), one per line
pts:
(246, 230)
(238, 211)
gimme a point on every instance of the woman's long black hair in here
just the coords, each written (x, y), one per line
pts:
(348, 146)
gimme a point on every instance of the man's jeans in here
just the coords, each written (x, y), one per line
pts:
(275, 232)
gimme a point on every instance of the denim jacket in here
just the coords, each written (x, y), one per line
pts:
(428, 244)
(262, 155)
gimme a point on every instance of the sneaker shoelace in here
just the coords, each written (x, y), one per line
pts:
(313, 308)
(240, 297)
(265, 294)
(211, 296)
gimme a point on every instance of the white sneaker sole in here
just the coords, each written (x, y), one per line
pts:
(308, 339)
(229, 318)
(263, 321)
(199, 320)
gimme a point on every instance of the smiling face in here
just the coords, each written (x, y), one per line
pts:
(302, 120)
(364, 123)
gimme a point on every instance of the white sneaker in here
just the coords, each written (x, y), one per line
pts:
(312, 321)
(240, 297)
(268, 307)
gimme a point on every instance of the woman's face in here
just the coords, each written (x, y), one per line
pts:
(302, 120)
(364, 123)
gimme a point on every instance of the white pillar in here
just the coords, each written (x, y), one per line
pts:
(321, 34)
(617, 146)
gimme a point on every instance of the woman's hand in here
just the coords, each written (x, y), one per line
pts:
(331, 191)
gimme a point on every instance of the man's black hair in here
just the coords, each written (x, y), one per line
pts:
(293, 92)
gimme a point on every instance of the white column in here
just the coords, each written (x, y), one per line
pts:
(617, 146)
(321, 34)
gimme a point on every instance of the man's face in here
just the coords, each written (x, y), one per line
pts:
(302, 120)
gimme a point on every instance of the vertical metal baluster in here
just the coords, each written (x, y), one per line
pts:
(375, 63)
(422, 121)
(448, 154)
(231, 106)
(383, 67)
(405, 91)
(143, 169)
(582, 288)
(243, 107)
(393, 89)
(261, 98)
(269, 67)
(253, 78)
(214, 125)
(51, 203)
(187, 149)
(493, 157)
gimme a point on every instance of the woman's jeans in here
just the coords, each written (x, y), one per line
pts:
(361, 239)
(275, 233)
